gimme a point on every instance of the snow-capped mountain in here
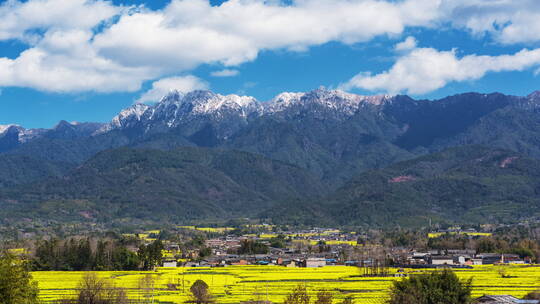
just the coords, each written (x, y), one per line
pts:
(338, 102)
(310, 129)
(21, 133)
(330, 135)
(189, 110)
(334, 99)
(177, 109)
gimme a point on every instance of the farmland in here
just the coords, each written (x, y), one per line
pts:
(241, 283)
(439, 234)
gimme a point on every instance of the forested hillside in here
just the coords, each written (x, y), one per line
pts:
(162, 185)
(465, 184)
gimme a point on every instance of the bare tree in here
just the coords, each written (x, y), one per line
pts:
(146, 287)
(324, 297)
(258, 298)
(95, 290)
(298, 295)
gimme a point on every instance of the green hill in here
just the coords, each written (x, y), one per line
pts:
(21, 169)
(464, 184)
(185, 183)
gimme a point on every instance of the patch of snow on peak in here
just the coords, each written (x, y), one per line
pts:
(287, 97)
(335, 99)
(26, 135)
(234, 102)
(283, 101)
(206, 102)
(4, 128)
(174, 96)
(377, 99)
(137, 110)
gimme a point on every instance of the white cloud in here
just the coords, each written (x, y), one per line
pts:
(407, 44)
(425, 69)
(225, 73)
(69, 64)
(18, 19)
(94, 45)
(165, 85)
(190, 32)
(508, 21)
(60, 56)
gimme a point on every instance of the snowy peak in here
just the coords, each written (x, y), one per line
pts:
(124, 118)
(4, 128)
(172, 97)
(22, 134)
(206, 102)
(284, 100)
(338, 100)
(134, 112)
(178, 108)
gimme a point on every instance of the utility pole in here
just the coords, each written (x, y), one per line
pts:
(153, 283)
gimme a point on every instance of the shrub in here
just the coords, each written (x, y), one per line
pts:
(437, 287)
(200, 293)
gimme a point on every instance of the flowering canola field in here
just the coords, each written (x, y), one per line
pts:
(241, 283)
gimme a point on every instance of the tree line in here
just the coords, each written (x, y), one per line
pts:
(86, 254)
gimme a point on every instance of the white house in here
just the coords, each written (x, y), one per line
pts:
(442, 260)
(315, 262)
(170, 264)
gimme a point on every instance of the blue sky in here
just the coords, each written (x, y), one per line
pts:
(108, 55)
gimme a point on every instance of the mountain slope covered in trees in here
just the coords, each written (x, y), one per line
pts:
(185, 183)
(465, 184)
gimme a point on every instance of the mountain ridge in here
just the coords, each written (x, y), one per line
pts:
(332, 133)
(331, 137)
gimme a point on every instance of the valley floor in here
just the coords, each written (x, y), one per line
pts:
(236, 284)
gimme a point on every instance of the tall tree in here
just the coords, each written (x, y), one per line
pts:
(16, 284)
(151, 255)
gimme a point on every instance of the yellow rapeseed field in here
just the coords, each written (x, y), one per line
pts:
(208, 229)
(439, 234)
(241, 283)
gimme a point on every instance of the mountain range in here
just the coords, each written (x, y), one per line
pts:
(317, 155)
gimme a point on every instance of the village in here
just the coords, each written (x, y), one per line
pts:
(254, 255)
(320, 247)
